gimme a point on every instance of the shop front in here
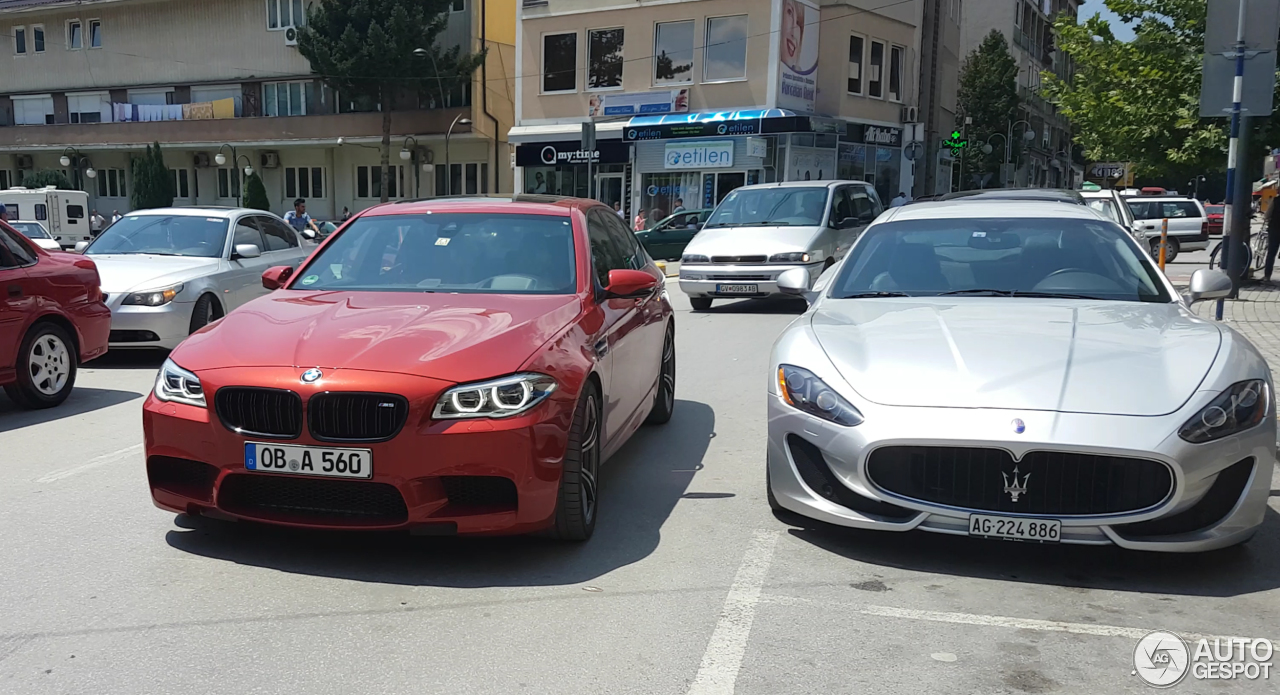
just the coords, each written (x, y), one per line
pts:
(872, 153)
(694, 174)
(560, 168)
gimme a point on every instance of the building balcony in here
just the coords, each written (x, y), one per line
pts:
(264, 131)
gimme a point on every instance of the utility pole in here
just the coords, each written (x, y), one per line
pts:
(1236, 217)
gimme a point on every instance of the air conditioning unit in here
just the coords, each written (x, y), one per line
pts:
(270, 160)
(202, 160)
(291, 36)
(23, 161)
(911, 114)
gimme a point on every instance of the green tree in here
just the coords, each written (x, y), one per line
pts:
(255, 194)
(988, 94)
(369, 49)
(47, 177)
(152, 181)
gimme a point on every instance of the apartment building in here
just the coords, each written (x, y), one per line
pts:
(1028, 25)
(220, 84)
(692, 99)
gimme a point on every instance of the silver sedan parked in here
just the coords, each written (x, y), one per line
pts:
(1018, 371)
(168, 272)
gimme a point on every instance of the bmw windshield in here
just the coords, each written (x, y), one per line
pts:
(163, 235)
(783, 206)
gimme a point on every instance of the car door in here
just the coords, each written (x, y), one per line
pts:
(642, 352)
(682, 231)
(15, 299)
(242, 279)
(1185, 217)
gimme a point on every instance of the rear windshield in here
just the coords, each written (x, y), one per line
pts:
(1213, 209)
(449, 252)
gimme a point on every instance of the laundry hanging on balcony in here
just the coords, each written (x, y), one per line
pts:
(121, 113)
(200, 111)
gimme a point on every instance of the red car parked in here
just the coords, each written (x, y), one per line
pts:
(1213, 215)
(451, 366)
(52, 318)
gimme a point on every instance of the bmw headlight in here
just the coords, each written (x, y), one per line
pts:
(794, 257)
(155, 297)
(804, 391)
(1235, 410)
(496, 398)
(694, 258)
(177, 385)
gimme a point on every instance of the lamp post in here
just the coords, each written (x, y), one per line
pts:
(1027, 134)
(448, 173)
(221, 159)
(71, 156)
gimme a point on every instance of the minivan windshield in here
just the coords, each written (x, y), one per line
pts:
(775, 206)
(163, 235)
(448, 252)
(1069, 258)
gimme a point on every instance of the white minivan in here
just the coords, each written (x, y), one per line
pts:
(759, 232)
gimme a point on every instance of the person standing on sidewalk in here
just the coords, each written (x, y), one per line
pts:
(96, 221)
(1273, 240)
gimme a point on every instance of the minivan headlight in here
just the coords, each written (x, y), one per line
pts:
(1235, 410)
(695, 258)
(495, 398)
(177, 385)
(793, 257)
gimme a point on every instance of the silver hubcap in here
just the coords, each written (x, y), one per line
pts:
(669, 370)
(50, 365)
(590, 457)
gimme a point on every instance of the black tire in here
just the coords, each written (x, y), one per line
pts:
(206, 311)
(1213, 256)
(700, 303)
(577, 501)
(664, 401)
(1170, 251)
(54, 372)
(780, 513)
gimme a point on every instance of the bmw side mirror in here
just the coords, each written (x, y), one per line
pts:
(81, 246)
(275, 277)
(246, 251)
(307, 233)
(627, 284)
(1208, 284)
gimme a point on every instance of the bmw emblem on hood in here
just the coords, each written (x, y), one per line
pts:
(1018, 425)
(311, 376)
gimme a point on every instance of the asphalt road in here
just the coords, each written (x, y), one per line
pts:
(689, 586)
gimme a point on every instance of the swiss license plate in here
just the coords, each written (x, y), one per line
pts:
(1042, 530)
(308, 460)
(738, 289)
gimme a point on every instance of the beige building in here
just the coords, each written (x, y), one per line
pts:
(96, 81)
(692, 99)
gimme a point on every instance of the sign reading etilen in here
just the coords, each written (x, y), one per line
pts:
(698, 155)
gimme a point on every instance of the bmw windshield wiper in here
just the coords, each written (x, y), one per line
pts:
(881, 293)
(1057, 295)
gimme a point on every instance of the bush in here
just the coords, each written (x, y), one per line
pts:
(152, 182)
(255, 194)
(48, 177)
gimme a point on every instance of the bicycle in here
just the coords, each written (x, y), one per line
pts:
(1255, 252)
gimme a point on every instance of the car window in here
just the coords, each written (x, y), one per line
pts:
(633, 251)
(247, 233)
(42, 212)
(864, 200)
(30, 230)
(776, 205)
(1105, 206)
(75, 212)
(841, 206)
(1142, 210)
(19, 254)
(1179, 209)
(279, 236)
(477, 252)
(607, 250)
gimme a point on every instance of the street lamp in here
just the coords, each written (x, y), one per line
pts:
(221, 159)
(407, 154)
(70, 156)
(1028, 134)
(448, 173)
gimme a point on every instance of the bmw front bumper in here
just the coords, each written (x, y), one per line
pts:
(1201, 512)
(705, 280)
(148, 326)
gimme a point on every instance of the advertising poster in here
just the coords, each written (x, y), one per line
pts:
(809, 164)
(798, 56)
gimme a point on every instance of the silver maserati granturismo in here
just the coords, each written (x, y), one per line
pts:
(1017, 370)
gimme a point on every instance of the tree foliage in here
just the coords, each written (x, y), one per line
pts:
(365, 50)
(152, 182)
(255, 194)
(47, 177)
(988, 95)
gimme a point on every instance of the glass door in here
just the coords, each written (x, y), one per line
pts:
(727, 182)
(609, 189)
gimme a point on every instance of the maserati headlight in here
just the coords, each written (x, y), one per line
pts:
(155, 297)
(695, 258)
(177, 385)
(804, 391)
(505, 397)
(1235, 410)
(793, 257)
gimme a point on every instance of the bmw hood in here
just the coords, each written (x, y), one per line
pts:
(455, 337)
(751, 241)
(1117, 358)
(141, 272)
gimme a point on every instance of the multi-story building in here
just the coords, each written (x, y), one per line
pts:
(220, 84)
(690, 100)
(939, 84)
(1028, 25)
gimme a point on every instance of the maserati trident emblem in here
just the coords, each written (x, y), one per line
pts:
(1015, 489)
(1019, 426)
(313, 375)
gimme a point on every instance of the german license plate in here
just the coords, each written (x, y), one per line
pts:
(1042, 530)
(308, 460)
(738, 289)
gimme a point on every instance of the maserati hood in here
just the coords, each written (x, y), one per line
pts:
(751, 241)
(141, 272)
(1035, 354)
(455, 337)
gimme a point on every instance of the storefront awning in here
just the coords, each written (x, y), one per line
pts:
(563, 131)
(1259, 185)
(708, 117)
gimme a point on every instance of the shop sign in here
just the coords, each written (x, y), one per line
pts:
(570, 152)
(875, 135)
(716, 154)
(757, 147)
(665, 131)
(639, 103)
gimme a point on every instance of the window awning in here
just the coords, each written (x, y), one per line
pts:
(708, 117)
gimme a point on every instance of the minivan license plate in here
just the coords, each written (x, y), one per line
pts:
(738, 289)
(1042, 530)
(308, 460)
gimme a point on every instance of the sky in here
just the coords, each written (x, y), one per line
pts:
(1122, 31)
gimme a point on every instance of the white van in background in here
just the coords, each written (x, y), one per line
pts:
(65, 214)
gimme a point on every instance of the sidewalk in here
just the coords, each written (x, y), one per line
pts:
(1255, 315)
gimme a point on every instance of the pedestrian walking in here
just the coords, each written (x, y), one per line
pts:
(1273, 240)
(640, 223)
(96, 223)
(679, 206)
(898, 200)
(299, 219)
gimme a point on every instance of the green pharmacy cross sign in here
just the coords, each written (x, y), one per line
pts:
(955, 143)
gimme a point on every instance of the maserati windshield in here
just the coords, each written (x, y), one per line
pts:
(449, 252)
(779, 206)
(163, 235)
(1070, 258)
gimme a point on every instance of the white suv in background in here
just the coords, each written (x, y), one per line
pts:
(1188, 223)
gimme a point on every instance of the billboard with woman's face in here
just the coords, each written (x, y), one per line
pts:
(798, 55)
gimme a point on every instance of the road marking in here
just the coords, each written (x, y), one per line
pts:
(91, 464)
(723, 658)
(994, 620)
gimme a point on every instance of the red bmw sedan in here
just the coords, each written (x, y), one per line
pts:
(450, 366)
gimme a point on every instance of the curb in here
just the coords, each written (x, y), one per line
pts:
(662, 265)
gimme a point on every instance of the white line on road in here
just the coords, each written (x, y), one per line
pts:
(92, 463)
(992, 620)
(723, 658)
